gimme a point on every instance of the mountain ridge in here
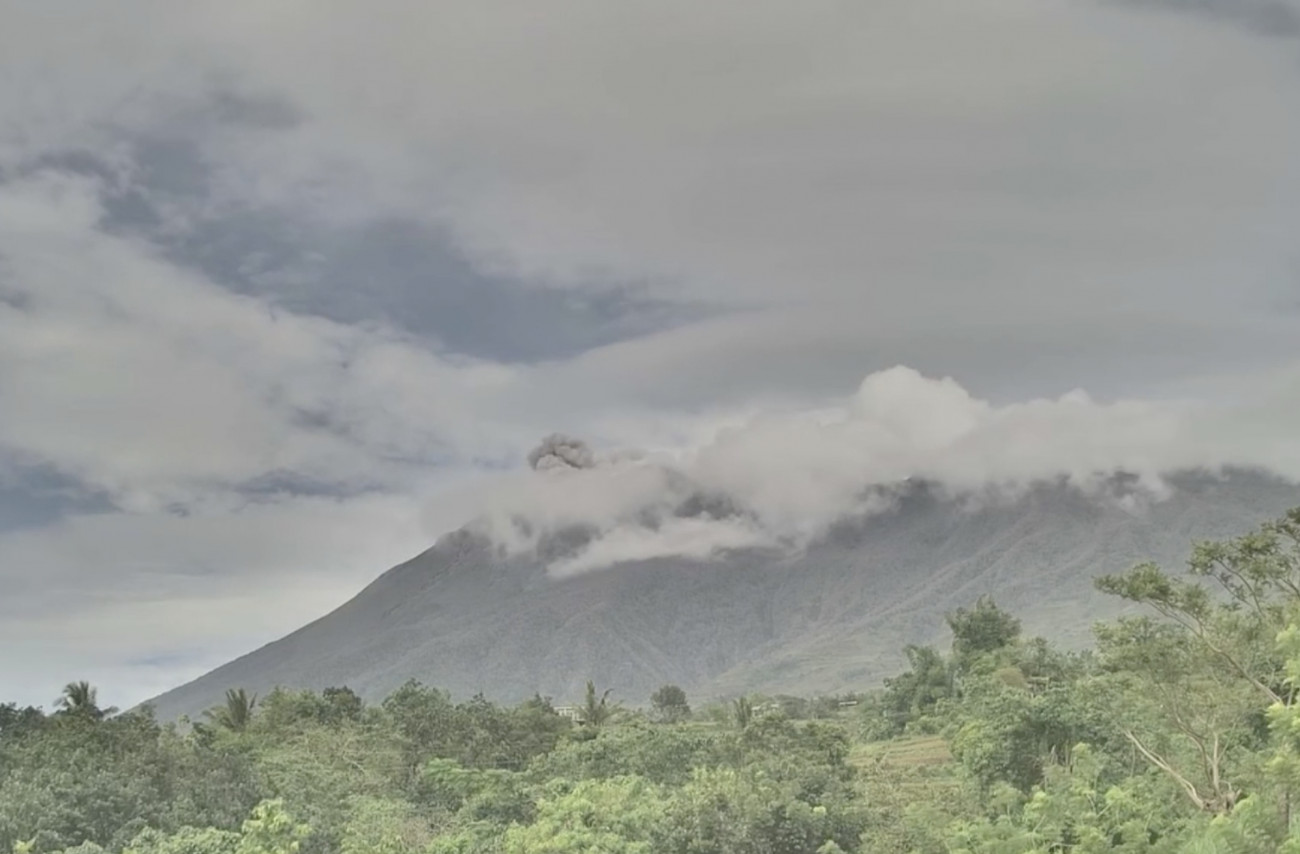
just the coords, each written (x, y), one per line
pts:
(467, 617)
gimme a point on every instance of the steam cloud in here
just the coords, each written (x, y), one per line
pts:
(782, 478)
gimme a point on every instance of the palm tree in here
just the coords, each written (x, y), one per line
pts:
(81, 699)
(237, 711)
(596, 711)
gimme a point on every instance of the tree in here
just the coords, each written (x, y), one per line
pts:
(318, 768)
(1179, 709)
(426, 721)
(535, 729)
(74, 782)
(661, 754)
(237, 711)
(15, 720)
(81, 700)
(596, 710)
(342, 704)
(670, 704)
(271, 830)
(1207, 669)
(980, 630)
(742, 712)
(1075, 810)
(187, 840)
(1264, 819)
(1011, 734)
(622, 815)
(914, 694)
(383, 826)
(732, 811)
(1260, 575)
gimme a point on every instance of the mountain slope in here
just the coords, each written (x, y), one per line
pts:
(464, 617)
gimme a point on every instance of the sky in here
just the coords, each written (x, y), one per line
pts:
(289, 289)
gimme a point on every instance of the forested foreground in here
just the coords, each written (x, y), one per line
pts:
(1179, 732)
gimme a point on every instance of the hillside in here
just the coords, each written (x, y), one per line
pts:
(463, 617)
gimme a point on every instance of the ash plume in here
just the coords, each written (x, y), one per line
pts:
(558, 451)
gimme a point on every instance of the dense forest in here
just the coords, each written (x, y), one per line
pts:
(1179, 731)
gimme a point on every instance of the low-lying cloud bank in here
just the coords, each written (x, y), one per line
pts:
(781, 478)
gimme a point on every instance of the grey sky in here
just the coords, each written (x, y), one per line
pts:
(278, 279)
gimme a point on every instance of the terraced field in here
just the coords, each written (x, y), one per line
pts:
(920, 751)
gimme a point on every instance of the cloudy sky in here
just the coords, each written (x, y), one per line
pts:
(282, 283)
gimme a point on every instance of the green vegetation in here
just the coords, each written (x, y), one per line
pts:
(1179, 732)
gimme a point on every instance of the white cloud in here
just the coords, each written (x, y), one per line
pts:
(1017, 158)
(876, 156)
(1028, 196)
(937, 183)
(143, 379)
(794, 472)
(690, 538)
(619, 492)
(900, 424)
(117, 596)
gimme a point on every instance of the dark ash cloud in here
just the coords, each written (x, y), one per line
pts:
(558, 451)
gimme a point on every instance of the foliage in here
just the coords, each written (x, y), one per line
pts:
(669, 704)
(742, 711)
(596, 709)
(236, 713)
(981, 630)
(384, 826)
(80, 700)
(734, 812)
(621, 815)
(271, 830)
(187, 840)
(910, 697)
(658, 753)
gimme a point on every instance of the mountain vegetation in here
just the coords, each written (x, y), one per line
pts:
(1177, 731)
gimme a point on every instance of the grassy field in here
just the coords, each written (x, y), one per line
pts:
(917, 751)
